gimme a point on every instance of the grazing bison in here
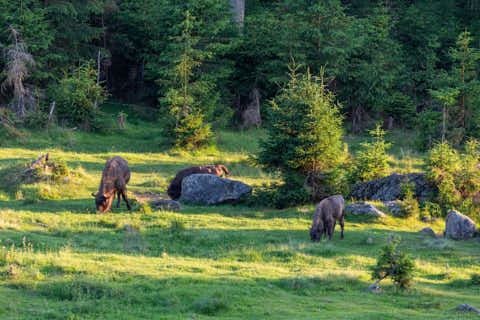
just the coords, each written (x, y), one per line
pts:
(115, 177)
(327, 213)
(175, 187)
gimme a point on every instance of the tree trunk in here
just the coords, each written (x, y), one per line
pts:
(444, 122)
(238, 9)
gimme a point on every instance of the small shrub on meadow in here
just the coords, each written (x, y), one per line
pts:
(394, 263)
(409, 205)
(475, 279)
(431, 210)
(211, 305)
(372, 161)
(60, 171)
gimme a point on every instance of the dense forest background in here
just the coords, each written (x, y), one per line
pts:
(409, 64)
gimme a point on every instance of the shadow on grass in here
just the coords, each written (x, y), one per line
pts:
(77, 206)
(125, 295)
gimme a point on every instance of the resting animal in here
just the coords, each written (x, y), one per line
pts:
(115, 177)
(175, 187)
(327, 212)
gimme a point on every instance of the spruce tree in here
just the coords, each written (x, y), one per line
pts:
(190, 130)
(305, 136)
(465, 78)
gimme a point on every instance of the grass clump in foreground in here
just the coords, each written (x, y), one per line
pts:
(59, 260)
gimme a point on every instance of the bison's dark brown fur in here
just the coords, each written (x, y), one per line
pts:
(327, 213)
(175, 187)
(115, 177)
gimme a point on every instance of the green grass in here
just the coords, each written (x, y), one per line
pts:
(60, 260)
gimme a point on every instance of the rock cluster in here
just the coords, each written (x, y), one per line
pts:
(389, 188)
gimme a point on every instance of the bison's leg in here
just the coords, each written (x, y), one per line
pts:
(124, 196)
(342, 225)
(118, 200)
(331, 226)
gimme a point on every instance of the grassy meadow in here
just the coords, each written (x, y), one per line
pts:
(61, 260)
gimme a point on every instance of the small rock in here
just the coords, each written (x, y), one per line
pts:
(466, 307)
(364, 209)
(168, 205)
(458, 226)
(428, 231)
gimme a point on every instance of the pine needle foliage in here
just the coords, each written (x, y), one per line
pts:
(305, 136)
(191, 131)
(454, 173)
(372, 160)
(395, 264)
(76, 95)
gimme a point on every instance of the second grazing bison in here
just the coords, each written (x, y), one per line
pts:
(115, 177)
(175, 187)
(327, 212)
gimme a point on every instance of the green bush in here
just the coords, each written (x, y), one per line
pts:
(408, 205)
(8, 126)
(395, 264)
(431, 210)
(454, 174)
(36, 119)
(60, 171)
(372, 161)
(475, 279)
(76, 95)
(104, 123)
(304, 140)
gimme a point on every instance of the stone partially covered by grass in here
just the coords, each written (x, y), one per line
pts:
(60, 260)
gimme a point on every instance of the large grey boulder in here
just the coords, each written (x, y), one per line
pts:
(458, 226)
(364, 209)
(209, 189)
(388, 188)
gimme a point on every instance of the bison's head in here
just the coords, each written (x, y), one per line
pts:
(103, 202)
(315, 234)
